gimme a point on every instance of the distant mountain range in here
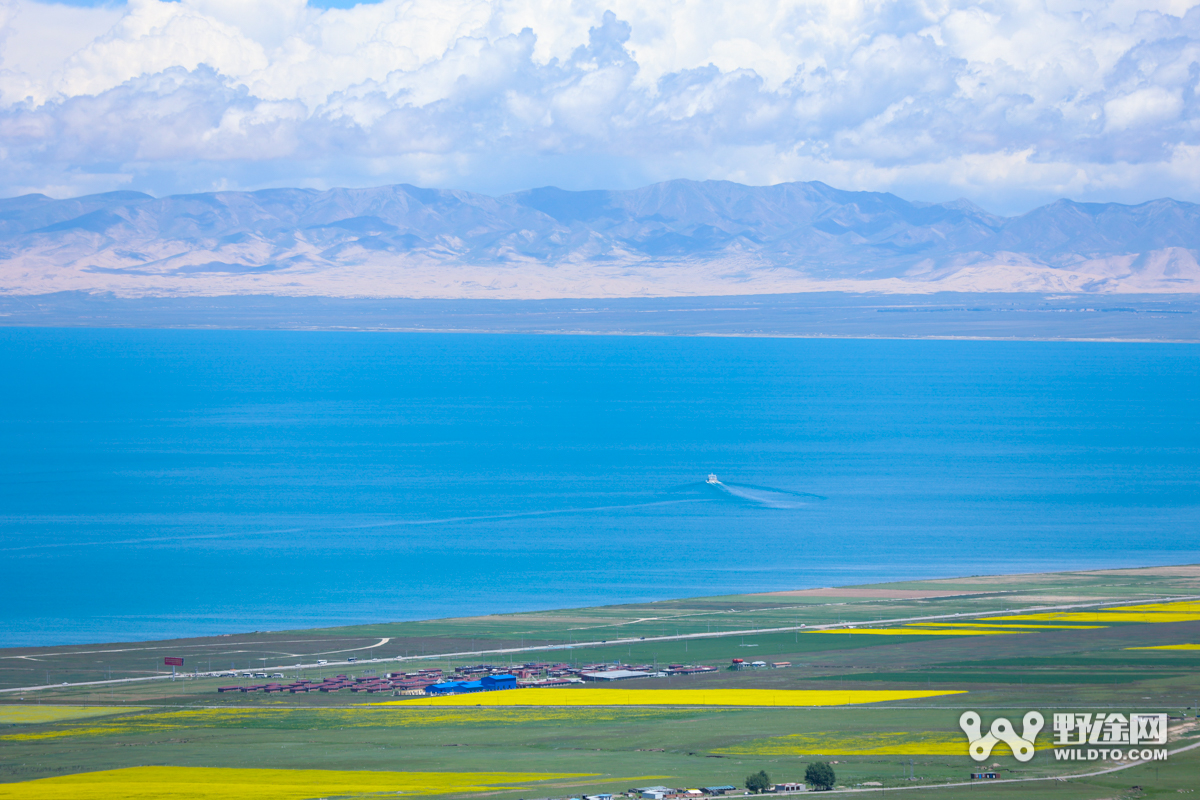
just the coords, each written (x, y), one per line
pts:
(669, 239)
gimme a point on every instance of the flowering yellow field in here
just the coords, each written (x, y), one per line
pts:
(373, 716)
(387, 715)
(1176, 607)
(33, 715)
(1100, 616)
(359, 717)
(990, 626)
(1168, 647)
(836, 743)
(669, 697)
(1181, 611)
(833, 743)
(29, 737)
(208, 783)
(907, 631)
(1013, 626)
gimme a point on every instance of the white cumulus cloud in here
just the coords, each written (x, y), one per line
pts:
(1009, 102)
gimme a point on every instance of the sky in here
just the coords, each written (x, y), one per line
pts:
(1009, 103)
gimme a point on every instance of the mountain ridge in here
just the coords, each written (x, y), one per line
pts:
(674, 238)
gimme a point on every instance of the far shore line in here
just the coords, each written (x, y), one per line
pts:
(943, 315)
(653, 334)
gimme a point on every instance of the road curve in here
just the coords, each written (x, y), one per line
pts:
(848, 626)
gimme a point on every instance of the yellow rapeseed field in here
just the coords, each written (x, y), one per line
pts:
(1181, 611)
(836, 743)
(33, 715)
(1168, 647)
(1102, 616)
(960, 628)
(670, 697)
(29, 737)
(359, 717)
(917, 631)
(387, 715)
(1176, 607)
(1014, 626)
(833, 743)
(211, 783)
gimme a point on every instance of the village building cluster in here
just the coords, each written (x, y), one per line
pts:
(464, 680)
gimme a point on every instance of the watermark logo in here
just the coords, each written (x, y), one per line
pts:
(1133, 734)
(1135, 731)
(1110, 728)
(1001, 731)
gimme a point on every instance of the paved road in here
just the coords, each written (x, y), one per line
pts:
(981, 784)
(848, 626)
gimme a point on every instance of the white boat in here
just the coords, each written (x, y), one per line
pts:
(712, 478)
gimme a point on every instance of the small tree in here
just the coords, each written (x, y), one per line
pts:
(758, 782)
(819, 776)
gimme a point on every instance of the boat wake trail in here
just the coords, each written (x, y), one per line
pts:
(763, 496)
(522, 514)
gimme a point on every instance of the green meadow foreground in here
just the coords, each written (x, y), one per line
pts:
(878, 678)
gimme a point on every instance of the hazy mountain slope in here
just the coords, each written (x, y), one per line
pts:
(672, 238)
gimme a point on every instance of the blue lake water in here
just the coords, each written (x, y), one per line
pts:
(169, 483)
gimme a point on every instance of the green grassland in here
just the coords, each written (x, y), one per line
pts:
(186, 723)
(414, 642)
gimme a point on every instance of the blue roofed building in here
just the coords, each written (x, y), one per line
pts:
(446, 687)
(493, 683)
(488, 683)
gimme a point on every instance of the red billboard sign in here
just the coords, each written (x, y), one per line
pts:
(172, 661)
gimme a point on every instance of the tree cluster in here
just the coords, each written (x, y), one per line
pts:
(819, 776)
(758, 783)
